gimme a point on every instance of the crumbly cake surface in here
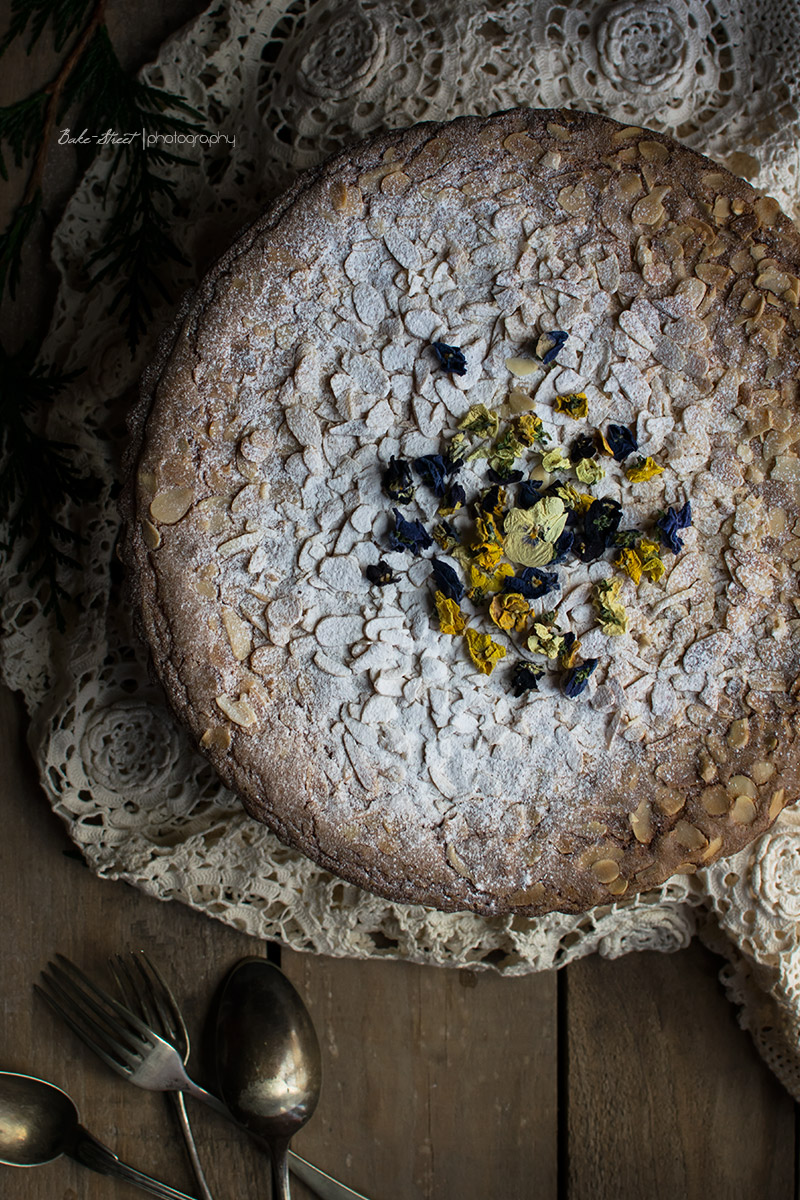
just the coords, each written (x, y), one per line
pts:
(339, 710)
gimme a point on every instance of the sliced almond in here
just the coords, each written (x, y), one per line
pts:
(762, 770)
(655, 152)
(239, 711)
(150, 535)
(240, 634)
(642, 822)
(739, 733)
(715, 800)
(605, 870)
(216, 737)
(777, 803)
(690, 836)
(740, 785)
(169, 506)
(743, 811)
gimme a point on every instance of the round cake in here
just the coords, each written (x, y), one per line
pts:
(462, 513)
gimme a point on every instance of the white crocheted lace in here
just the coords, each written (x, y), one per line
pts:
(289, 83)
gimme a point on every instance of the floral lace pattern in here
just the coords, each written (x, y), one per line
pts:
(292, 82)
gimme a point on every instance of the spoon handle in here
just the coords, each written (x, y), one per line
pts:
(279, 1156)
(91, 1153)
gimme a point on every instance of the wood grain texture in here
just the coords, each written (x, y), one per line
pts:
(667, 1098)
(438, 1082)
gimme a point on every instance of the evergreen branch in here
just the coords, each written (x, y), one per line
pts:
(37, 477)
(12, 242)
(66, 16)
(20, 128)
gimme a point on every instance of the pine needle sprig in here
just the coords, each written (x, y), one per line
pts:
(37, 478)
(138, 243)
(21, 128)
(65, 16)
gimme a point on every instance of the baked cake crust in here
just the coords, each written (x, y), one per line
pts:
(346, 719)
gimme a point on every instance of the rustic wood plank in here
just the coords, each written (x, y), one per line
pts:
(667, 1096)
(51, 902)
(438, 1083)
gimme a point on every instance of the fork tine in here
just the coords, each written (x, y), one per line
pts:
(168, 1008)
(129, 990)
(116, 1062)
(120, 1020)
(101, 1025)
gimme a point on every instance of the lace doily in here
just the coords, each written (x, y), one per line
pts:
(288, 83)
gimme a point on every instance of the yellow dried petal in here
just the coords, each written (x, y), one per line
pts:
(643, 471)
(451, 618)
(484, 652)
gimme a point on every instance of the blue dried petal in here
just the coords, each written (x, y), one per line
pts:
(454, 496)
(380, 573)
(532, 582)
(559, 337)
(451, 358)
(670, 523)
(528, 493)
(576, 678)
(409, 535)
(397, 481)
(601, 520)
(447, 580)
(622, 441)
(504, 476)
(582, 447)
(432, 470)
(525, 677)
(563, 545)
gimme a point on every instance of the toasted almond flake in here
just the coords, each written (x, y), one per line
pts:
(344, 198)
(524, 896)
(168, 507)
(240, 634)
(777, 803)
(711, 849)
(670, 801)
(629, 131)
(523, 145)
(147, 482)
(395, 183)
(712, 273)
(521, 366)
(630, 184)
(559, 131)
(743, 811)
(739, 733)
(690, 836)
(762, 770)
(239, 711)
(216, 737)
(605, 870)
(457, 862)
(618, 887)
(150, 535)
(649, 209)
(655, 152)
(740, 785)
(767, 210)
(715, 800)
(245, 541)
(714, 180)
(642, 822)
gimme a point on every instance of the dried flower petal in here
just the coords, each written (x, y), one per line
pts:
(669, 524)
(528, 429)
(480, 422)
(628, 560)
(447, 580)
(589, 471)
(644, 469)
(621, 441)
(485, 653)
(510, 611)
(532, 583)
(613, 618)
(380, 573)
(555, 460)
(582, 447)
(528, 493)
(451, 619)
(483, 583)
(549, 344)
(577, 677)
(525, 677)
(451, 358)
(454, 498)
(397, 481)
(574, 404)
(650, 554)
(432, 470)
(409, 535)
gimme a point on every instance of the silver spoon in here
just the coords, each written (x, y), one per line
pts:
(268, 1059)
(39, 1122)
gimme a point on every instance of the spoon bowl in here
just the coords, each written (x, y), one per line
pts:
(39, 1123)
(268, 1058)
(34, 1116)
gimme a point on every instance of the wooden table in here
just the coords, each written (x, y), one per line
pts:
(606, 1081)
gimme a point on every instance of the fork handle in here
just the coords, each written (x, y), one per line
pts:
(91, 1153)
(191, 1147)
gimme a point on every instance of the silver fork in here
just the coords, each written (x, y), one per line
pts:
(134, 1050)
(75, 998)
